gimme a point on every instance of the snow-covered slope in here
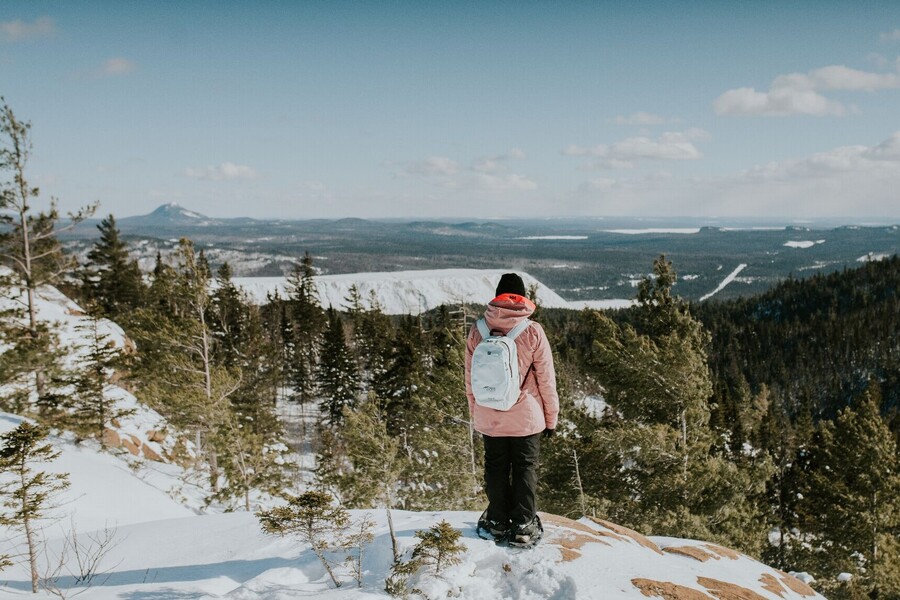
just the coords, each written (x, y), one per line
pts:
(226, 556)
(406, 292)
(144, 431)
(104, 489)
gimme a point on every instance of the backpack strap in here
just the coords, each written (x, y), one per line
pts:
(483, 329)
(515, 331)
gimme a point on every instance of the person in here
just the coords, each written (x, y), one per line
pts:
(512, 437)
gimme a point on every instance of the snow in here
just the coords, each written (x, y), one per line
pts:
(611, 304)
(226, 555)
(728, 279)
(594, 406)
(104, 490)
(803, 244)
(873, 256)
(685, 230)
(553, 237)
(844, 577)
(405, 292)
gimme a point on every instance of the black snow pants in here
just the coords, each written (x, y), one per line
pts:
(510, 477)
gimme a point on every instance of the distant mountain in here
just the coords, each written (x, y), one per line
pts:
(168, 215)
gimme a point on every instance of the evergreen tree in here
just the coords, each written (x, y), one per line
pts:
(92, 410)
(337, 373)
(112, 280)
(308, 322)
(366, 466)
(28, 494)
(314, 520)
(661, 471)
(29, 248)
(856, 505)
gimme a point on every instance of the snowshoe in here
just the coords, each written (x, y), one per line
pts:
(488, 529)
(528, 535)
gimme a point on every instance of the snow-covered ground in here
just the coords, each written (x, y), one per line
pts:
(405, 292)
(162, 550)
(803, 243)
(611, 304)
(685, 230)
(728, 279)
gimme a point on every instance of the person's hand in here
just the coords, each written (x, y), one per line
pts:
(548, 433)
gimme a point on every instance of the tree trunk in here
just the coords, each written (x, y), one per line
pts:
(321, 556)
(29, 533)
(578, 482)
(390, 520)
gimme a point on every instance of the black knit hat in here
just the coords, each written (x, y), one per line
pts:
(511, 283)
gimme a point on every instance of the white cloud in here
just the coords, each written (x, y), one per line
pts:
(672, 145)
(890, 36)
(433, 165)
(115, 67)
(18, 31)
(798, 93)
(845, 181)
(224, 171)
(488, 174)
(644, 118)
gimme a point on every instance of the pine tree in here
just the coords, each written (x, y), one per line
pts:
(856, 506)
(337, 372)
(112, 280)
(313, 519)
(29, 246)
(28, 494)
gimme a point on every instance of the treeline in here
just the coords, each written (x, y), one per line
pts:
(708, 435)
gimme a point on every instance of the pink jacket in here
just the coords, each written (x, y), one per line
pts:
(538, 405)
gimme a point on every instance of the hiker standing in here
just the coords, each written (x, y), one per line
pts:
(512, 405)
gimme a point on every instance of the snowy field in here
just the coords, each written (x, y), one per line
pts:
(405, 292)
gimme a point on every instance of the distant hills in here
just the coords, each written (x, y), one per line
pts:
(171, 214)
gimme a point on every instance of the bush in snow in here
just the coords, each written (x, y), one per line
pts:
(313, 519)
(439, 547)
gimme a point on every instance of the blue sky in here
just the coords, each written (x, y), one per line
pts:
(459, 109)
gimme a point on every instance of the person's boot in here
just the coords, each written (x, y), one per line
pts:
(528, 532)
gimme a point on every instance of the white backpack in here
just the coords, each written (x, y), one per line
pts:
(495, 367)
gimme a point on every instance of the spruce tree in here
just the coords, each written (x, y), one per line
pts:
(308, 322)
(314, 520)
(856, 505)
(337, 372)
(28, 494)
(90, 408)
(658, 464)
(112, 280)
